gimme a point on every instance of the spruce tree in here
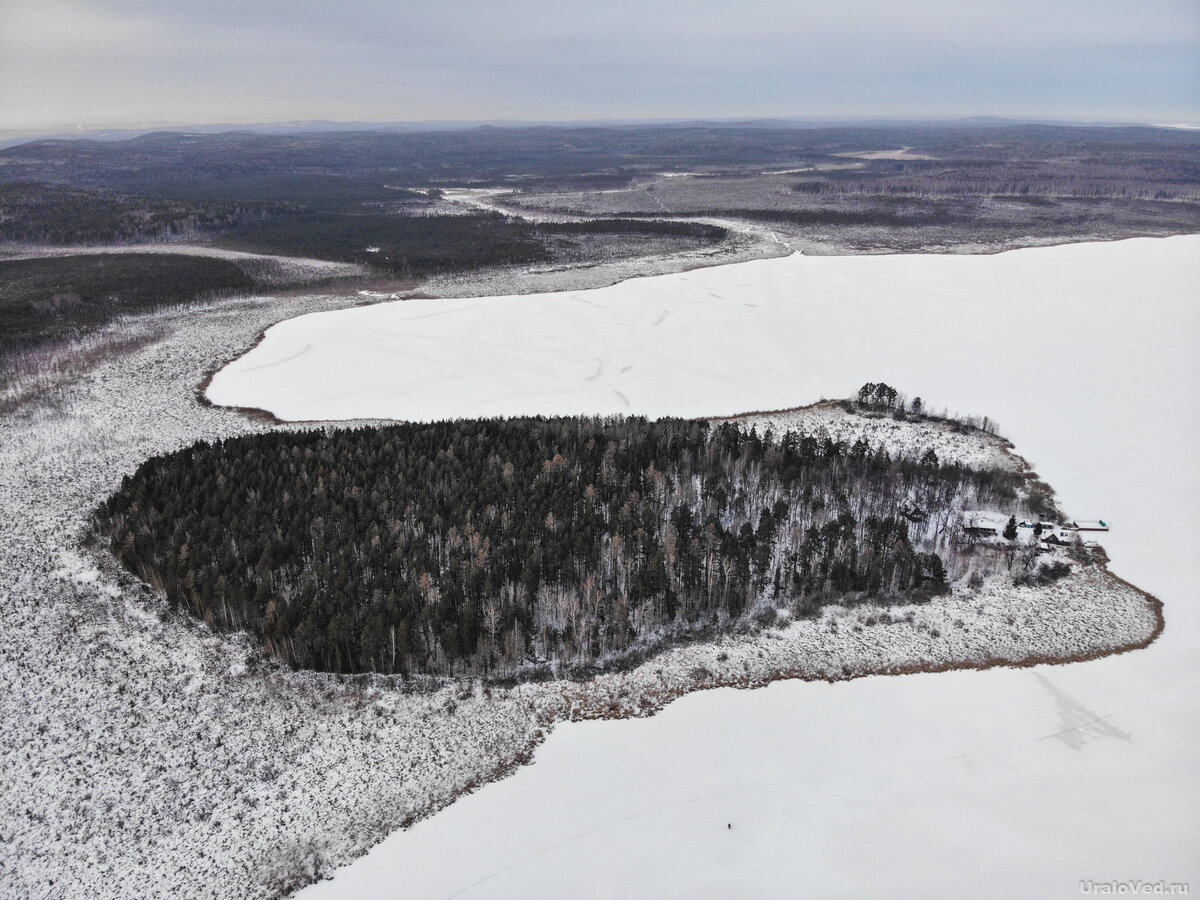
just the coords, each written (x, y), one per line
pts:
(1010, 530)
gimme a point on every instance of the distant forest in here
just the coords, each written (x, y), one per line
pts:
(500, 547)
(334, 194)
(416, 246)
(56, 299)
(333, 218)
(40, 213)
(243, 167)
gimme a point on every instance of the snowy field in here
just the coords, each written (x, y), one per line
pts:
(1002, 783)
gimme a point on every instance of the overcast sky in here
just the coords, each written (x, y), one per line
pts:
(99, 62)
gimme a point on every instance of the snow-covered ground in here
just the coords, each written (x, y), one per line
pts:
(900, 437)
(144, 757)
(1003, 783)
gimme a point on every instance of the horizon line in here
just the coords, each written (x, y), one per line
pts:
(83, 130)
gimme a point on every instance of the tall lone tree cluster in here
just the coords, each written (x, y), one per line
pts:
(877, 395)
(492, 546)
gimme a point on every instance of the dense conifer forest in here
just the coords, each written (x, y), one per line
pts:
(54, 299)
(497, 547)
(419, 246)
(44, 213)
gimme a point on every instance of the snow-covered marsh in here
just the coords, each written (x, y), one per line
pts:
(1004, 783)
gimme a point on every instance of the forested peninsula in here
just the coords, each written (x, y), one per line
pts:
(536, 546)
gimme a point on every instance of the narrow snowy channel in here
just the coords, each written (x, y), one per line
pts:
(1004, 783)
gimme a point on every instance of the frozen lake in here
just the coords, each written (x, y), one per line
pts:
(1005, 783)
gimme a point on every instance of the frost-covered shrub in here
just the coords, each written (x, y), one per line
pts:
(1046, 573)
(765, 616)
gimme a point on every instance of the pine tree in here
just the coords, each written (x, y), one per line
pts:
(1010, 530)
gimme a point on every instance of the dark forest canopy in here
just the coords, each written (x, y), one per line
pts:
(418, 246)
(500, 546)
(48, 299)
(491, 546)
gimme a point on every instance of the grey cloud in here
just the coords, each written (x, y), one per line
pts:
(64, 60)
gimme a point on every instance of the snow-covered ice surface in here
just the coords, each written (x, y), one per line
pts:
(757, 335)
(1002, 783)
(147, 757)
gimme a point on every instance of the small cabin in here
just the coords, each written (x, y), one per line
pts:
(981, 528)
(984, 524)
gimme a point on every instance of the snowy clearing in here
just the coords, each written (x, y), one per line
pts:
(902, 153)
(899, 437)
